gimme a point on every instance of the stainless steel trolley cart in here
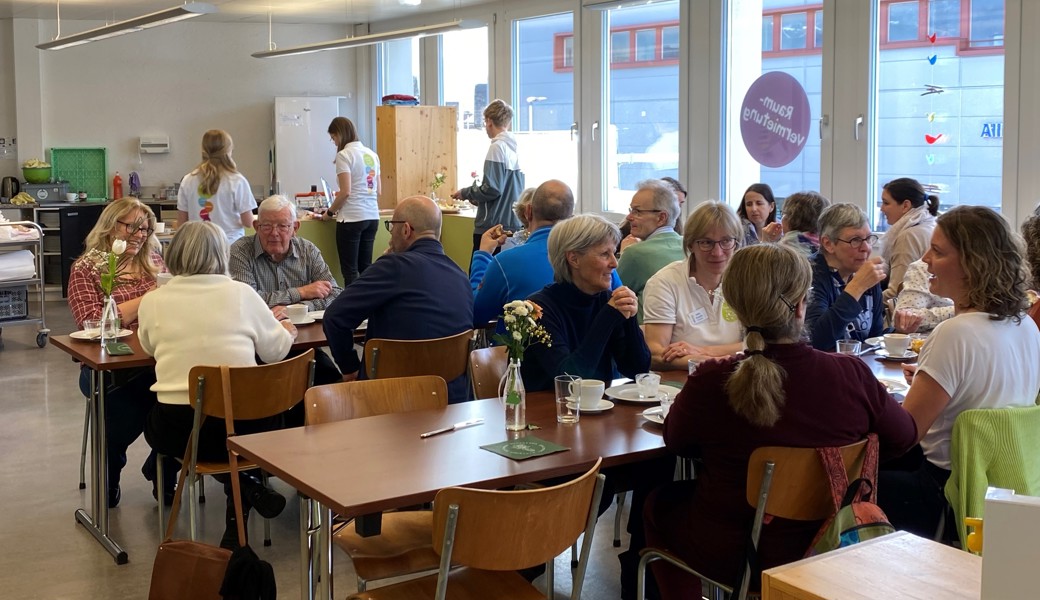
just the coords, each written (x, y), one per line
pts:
(15, 293)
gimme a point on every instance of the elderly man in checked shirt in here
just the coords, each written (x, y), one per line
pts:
(285, 269)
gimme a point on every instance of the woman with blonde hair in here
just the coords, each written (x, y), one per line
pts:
(769, 397)
(215, 191)
(127, 397)
(685, 316)
(356, 205)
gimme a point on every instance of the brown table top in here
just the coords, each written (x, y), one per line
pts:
(90, 354)
(378, 463)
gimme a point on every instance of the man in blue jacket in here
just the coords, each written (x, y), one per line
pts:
(519, 272)
(413, 292)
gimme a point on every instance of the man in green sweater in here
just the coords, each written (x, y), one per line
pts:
(653, 242)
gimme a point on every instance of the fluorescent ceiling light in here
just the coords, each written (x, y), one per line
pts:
(364, 40)
(163, 17)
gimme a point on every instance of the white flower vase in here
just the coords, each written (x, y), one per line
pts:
(109, 321)
(511, 391)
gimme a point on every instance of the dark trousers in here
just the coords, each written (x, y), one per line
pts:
(168, 429)
(911, 492)
(354, 243)
(128, 400)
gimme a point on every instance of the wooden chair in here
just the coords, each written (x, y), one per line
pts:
(495, 533)
(789, 483)
(444, 357)
(404, 544)
(256, 392)
(486, 368)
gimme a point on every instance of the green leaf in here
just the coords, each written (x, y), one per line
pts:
(513, 397)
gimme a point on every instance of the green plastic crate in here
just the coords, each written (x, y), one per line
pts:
(86, 169)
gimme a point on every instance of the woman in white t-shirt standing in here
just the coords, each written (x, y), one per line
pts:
(215, 191)
(986, 356)
(355, 207)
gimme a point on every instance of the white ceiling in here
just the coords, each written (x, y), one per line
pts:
(253, 11)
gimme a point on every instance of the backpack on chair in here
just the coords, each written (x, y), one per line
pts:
(857, 518)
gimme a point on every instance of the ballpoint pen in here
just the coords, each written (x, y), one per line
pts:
(459, 425)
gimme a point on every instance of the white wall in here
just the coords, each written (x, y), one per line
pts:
(7, 120)
(179, 81)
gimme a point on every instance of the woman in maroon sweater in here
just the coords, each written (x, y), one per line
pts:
(782, 393)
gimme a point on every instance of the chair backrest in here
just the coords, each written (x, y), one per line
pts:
(256, 392)
(997, 447)
(444, 357)
(800, 488)
(356, 399)
(509, 530)
(486, 368)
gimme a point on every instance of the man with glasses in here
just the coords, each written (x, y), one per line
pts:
(285, 269)
(651, 215)
(412, 292)
(846, 300)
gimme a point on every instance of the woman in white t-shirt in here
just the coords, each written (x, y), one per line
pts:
(215, 191)
(355, 207)
(986, 356)
(684, 314)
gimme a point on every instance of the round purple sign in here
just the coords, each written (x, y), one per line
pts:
(774, 119)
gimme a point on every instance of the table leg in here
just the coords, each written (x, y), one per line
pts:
(325, 537)
(97, 521)
(308, 535)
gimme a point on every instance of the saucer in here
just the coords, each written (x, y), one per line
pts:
(629, 392)
(306, 321)
(654, 415)
(884, 355)
(894, 386)
(603, 406)
(96, 337)
(317, 315)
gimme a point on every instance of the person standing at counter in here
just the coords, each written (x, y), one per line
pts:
(215, 191)
(355, 207)
(503, 179)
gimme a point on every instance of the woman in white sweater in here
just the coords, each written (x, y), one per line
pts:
(203, 317)
(910, 212)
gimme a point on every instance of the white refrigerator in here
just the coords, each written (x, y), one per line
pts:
(303, 153)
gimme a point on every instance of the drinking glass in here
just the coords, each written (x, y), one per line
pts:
(666, 404)
(849, 347)
(568, 404)
(647, 384)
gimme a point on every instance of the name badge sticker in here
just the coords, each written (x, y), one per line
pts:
(699, 316)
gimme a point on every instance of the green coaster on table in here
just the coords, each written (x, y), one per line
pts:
(524, 448)
(118, 349)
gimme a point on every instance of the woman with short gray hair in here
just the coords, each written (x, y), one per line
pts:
(846, 301)
(203, 317)
(592, 328)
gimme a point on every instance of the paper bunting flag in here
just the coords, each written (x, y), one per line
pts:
(931, 139)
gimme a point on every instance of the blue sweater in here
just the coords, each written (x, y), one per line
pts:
(832, 312)
(416, 294)
(511, 275)
(589, 338)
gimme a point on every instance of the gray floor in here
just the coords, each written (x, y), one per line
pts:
(46, 554)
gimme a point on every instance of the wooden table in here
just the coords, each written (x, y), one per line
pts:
(101, 365)
(344, 466)
(899, 565)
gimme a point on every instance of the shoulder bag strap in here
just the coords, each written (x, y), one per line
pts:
(177, 494)
(834, 467)
(870, 466)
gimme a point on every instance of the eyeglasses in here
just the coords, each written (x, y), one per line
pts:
(638, 211)
(390, 224)
(857, 242)
(709, 245)
(133, 228)
(790, 305)
(269, 227)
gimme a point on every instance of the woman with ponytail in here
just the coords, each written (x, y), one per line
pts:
(782, 392)
(910, 212)
(215, 191)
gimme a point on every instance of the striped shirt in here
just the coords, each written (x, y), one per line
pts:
(86, 299)
(278, 283)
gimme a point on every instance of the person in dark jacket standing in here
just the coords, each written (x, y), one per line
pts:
(503, 180)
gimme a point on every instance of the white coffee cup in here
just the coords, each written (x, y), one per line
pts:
(162, 279)
(297, 313)
(72, 197)
(160, 227)
(591, 393)
(896, 344)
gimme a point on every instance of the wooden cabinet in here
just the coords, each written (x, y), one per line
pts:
(413, 144)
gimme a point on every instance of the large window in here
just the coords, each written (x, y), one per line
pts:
(464, 85)
(399, 67)
(940, 105)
